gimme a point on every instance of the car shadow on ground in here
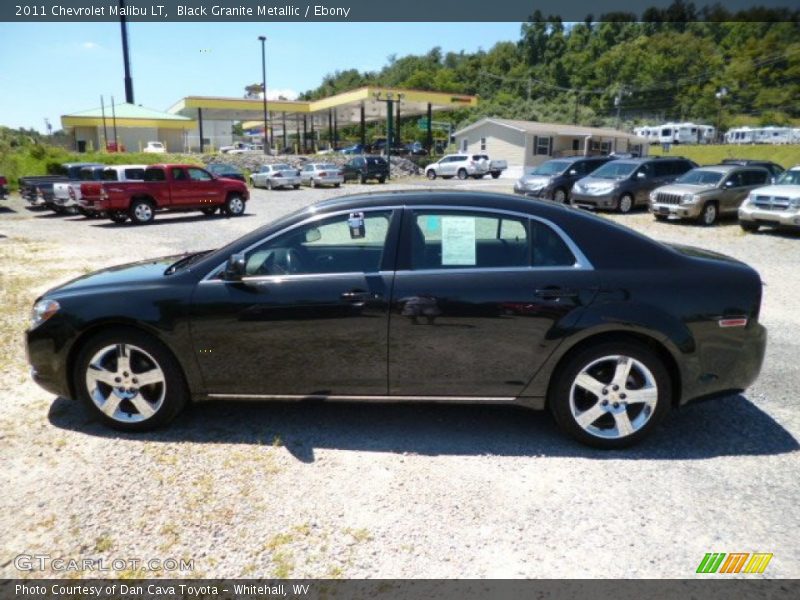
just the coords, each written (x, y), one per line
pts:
(6, 209)
(166, 220)
(731, 426)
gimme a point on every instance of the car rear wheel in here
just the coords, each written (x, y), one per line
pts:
(611, 395)
(625, 204)
(462, 174)
(709, 214)
(381, 179)
(234, 205)
(269, 185)
(430, 174)
(129, 380)
(495, 175)
(141, 212)
(749, 227)
(560, 195)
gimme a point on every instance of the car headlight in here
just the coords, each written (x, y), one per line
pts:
(601, 191)
(687, 198)
(652, 196)
(794, 203)
(43, 310)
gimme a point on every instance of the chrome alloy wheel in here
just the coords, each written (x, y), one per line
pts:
(143, 212)
(613, 397)
(236, 204)
(126, 383)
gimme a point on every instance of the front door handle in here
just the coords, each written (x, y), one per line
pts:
(554, 293)
(357, 296)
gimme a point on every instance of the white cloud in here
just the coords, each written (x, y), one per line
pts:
(90, 46)
(276, 94)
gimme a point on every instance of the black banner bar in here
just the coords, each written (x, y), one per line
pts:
(382, 10)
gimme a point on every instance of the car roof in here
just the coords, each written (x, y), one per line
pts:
(82, 164)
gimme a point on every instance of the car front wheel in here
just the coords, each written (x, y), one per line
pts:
(625, 204)
(430, 174)
(129, 380)
(611, 395)
(462, 174)
(709, 214)
(749, 227)
(234, 205)
(560, 196)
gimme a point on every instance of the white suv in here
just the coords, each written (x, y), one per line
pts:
(458, 165)
(775, 205)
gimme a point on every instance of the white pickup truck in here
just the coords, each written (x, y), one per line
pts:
(67, 193)
(109, 173)
(465, 165)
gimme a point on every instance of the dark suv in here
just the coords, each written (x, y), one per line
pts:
(775, 170)
(553, 179)
(366, 167)
(623, 184)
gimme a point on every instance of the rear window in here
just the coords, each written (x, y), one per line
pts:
(109, 175)
(155, 175)
(134, 173)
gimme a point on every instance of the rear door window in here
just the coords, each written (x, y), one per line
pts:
(155, 175)
(755, 177)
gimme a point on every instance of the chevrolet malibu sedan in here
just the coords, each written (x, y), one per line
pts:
(412, 296)
(276, 176)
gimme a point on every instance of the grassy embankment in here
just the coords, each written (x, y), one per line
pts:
(39, 159)
(785, 155)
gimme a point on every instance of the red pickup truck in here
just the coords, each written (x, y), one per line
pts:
(179, 188)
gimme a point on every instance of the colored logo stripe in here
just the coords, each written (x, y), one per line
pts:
(711, 562)
(734, 562)
(758, 563)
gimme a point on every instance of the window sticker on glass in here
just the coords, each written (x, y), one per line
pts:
(433, 223)
(356, 224)
(458, 241)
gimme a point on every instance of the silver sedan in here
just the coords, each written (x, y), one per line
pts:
(276, 176)
(315, 174)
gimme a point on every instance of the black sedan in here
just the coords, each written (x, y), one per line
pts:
(419, 296)
(227, 171)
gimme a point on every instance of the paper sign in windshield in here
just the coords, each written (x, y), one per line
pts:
(458, 241)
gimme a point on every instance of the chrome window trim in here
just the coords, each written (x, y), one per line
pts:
(581, 261)
(215, 271)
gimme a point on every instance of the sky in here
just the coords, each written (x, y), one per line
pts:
(51, 69)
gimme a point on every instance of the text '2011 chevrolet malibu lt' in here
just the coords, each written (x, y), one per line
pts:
(418, 296)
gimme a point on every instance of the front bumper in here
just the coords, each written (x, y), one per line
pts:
(329, 180)
(590, 201)
(544, 192)
(682, 211)
(774, 218)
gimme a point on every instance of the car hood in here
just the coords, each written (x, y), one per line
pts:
(131, 274)
(790, 191)
(541, 180)
(686, 188)
(597, 182)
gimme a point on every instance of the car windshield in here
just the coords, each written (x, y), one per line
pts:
(789, 178)
(328, 166)
(551, 167)
(700, 177)
(615, 170)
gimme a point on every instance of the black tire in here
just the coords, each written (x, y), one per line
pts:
(118, 216)
(495, 175)
(709, 214)
(599, 361)
(269, 185)
(141, 212)
(297, 186)
(363, 179)
(660, 217)
(234, 205)
(169, 396)
(337, 185)
(430, 174)
(749, 227)
(209, 210)
(462, 174)
(381, 179)
(626, 204)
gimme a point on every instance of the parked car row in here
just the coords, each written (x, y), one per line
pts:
(671, 188)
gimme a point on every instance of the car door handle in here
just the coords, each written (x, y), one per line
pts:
(357, 296)
(554, 293)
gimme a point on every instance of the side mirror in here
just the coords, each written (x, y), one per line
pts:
(313, 235)
(573, 172)
(641, 175)
(729, 183)
(235, 267)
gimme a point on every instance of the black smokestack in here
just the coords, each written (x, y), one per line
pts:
(125, 56)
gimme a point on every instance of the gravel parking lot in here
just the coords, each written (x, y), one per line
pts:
(315, 490)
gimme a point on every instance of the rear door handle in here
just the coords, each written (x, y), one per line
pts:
(553, 293)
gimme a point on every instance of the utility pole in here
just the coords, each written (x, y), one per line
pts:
(263, 40)
(618, 103)
(126, 59)
(577, 102)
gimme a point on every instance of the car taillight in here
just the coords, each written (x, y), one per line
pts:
(323, 174)
(103, 194)
(277, 174)
(3, 181)
(72, 193)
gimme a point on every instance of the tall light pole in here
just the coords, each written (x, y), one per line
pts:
(263, 40)
(720, 96)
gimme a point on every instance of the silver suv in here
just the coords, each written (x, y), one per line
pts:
(458, 165)
(775, 205)
(705, 193)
